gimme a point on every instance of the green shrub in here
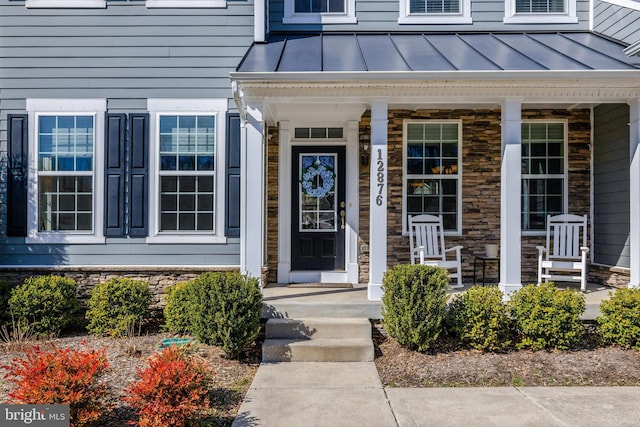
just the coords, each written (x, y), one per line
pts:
(414, 304)
(47, 303)
(218, 308)
(547, 317)
(479, 318)
(619, 321)
(179, 308)
(5, 293)
(118, 305)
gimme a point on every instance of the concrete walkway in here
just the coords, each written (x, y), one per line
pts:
(309, 394)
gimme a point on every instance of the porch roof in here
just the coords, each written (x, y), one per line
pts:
(451, 52)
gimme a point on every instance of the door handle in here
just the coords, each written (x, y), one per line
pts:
(342, 214)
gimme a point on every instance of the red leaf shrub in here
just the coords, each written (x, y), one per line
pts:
(172, 390)
(61, 376)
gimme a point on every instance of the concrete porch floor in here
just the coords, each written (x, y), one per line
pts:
(280, 301)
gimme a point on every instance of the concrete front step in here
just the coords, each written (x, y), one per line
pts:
(318, 350)
(315, 328)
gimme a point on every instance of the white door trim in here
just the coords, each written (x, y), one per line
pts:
(286, 143)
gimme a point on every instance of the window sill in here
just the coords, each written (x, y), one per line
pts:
(320, 19)
(540, 19)
(46, 239)
(66, 4)
(541, 233)
(435, 20)
(182, 4)
(186, 238)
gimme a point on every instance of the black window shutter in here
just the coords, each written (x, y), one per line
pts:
(233, 176)
(115, 140)
(17, 175)
(139, 174)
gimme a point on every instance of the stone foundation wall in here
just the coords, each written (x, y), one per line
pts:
(616, 277)
(88, 278)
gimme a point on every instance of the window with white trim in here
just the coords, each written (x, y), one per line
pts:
(544, 172)
(187, 166)
(182, 4)
(540, 11)
(65, 171)
(435, 12)
(319, 12)
(432, 171)
(66, 4)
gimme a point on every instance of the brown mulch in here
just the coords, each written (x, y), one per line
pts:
(451, 366)
(231, 378)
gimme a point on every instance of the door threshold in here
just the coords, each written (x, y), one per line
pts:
(333, 276)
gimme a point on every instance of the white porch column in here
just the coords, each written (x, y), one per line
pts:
(378, 200)
(634, 192)
(510, 193)
(252, 170)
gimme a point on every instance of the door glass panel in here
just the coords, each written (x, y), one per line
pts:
(317, 192)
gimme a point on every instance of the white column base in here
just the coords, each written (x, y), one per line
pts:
(508, 289)
(633, 286)
(374, 292)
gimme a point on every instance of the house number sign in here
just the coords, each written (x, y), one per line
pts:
(380, 178)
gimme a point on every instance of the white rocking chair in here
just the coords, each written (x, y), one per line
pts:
(426, 237)
(564, 254)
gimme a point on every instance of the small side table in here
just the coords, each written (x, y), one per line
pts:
(484, 260)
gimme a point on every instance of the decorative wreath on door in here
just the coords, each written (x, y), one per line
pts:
(325, 174)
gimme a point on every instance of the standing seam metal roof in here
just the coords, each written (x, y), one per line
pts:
(437, 52)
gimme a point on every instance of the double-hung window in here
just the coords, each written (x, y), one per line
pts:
(319, 11)
(187, 191)
(540, 11)
(544, 173)
(435, 12)
(65, 170)
(432, 171)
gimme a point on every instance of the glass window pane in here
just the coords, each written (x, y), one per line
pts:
(187, 221)
(205, 222)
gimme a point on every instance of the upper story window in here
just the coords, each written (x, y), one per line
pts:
(319, 12)
(435, 12)
(431, 172)
(181, 4)
(187, 181)
(544, 173)
(540, 11)
(62, 4)
(65, 171)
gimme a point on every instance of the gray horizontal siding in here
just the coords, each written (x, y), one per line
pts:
(382, 15)
(616, 21)
(126, 54)
(611, 185)
(129, 252)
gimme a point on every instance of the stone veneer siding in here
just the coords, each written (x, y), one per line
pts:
(481, 151)
(87, 278)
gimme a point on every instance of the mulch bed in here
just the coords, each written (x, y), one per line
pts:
(452, 366)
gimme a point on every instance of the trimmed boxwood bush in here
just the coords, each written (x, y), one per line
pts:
(179, 308)
(5, 293)
(118, 305)
(547, 317)
(47, 303)
(218, 308)
(619, 321)
(480, 319)
(414, 304)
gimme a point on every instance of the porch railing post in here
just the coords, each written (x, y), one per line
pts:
(510, 193)
(378, 200)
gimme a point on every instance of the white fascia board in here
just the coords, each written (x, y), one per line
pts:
(483, 75)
